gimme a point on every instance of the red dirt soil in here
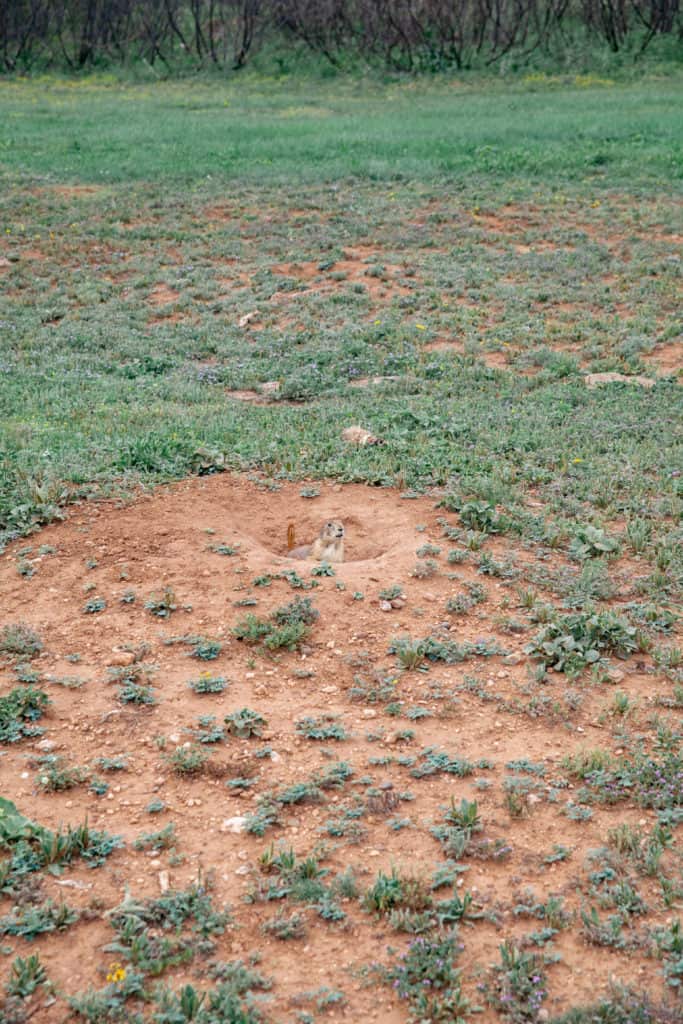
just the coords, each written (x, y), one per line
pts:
(163, 540)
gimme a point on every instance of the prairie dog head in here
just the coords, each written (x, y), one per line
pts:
(332, 531)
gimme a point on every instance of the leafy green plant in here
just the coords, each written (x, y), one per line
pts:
(572, 642)
(286, 926)
(30, 921)
(164, 839)
(187, 760)
(482, 516)
(516, 987)
(591, 542)
(206, 683)
(325, 727)
(425, 976)
(18, 709)
(25, 977)
(245, 723)
(162, 604)
(55, 774)
(286, 627)
(204, 649)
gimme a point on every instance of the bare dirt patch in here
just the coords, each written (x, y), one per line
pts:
(220, 543)
(75, 191)
(162, 295)
(668, 358)
(359, 265)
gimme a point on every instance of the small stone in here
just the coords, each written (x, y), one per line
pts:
(594, 380)
(615, 675)
(543, 1014)
(329, 689)
(244, 869)
(385, 606)
(512, 659)
(374, 853)
(369, 713)
(234, 825)
(46, 746)
(398, 602)
(164, 881)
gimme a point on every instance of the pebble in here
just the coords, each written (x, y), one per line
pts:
(234, 825)
(385, 606)
(512, 659)
(164, 881)
(46, 746)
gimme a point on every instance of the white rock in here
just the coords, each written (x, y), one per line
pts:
(234, 825)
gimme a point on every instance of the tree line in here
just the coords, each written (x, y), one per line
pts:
(406, 35)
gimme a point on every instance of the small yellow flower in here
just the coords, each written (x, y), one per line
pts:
(116, 973)
(421, 327)
(576, 461)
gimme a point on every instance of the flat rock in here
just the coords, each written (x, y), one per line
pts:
(596, 380)
(234, 825)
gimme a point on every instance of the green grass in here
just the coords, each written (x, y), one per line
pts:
(281, 131)
(498, 216)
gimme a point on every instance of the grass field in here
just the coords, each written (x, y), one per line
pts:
(201, 277)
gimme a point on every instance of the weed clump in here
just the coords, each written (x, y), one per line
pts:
(18, 709)
(19, 641)
(570, 643)
(286, 627)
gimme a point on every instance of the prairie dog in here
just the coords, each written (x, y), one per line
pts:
(328, 545)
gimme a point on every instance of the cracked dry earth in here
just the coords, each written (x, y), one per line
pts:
(167, 539)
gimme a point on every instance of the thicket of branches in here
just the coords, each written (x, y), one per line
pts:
(403, 34)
